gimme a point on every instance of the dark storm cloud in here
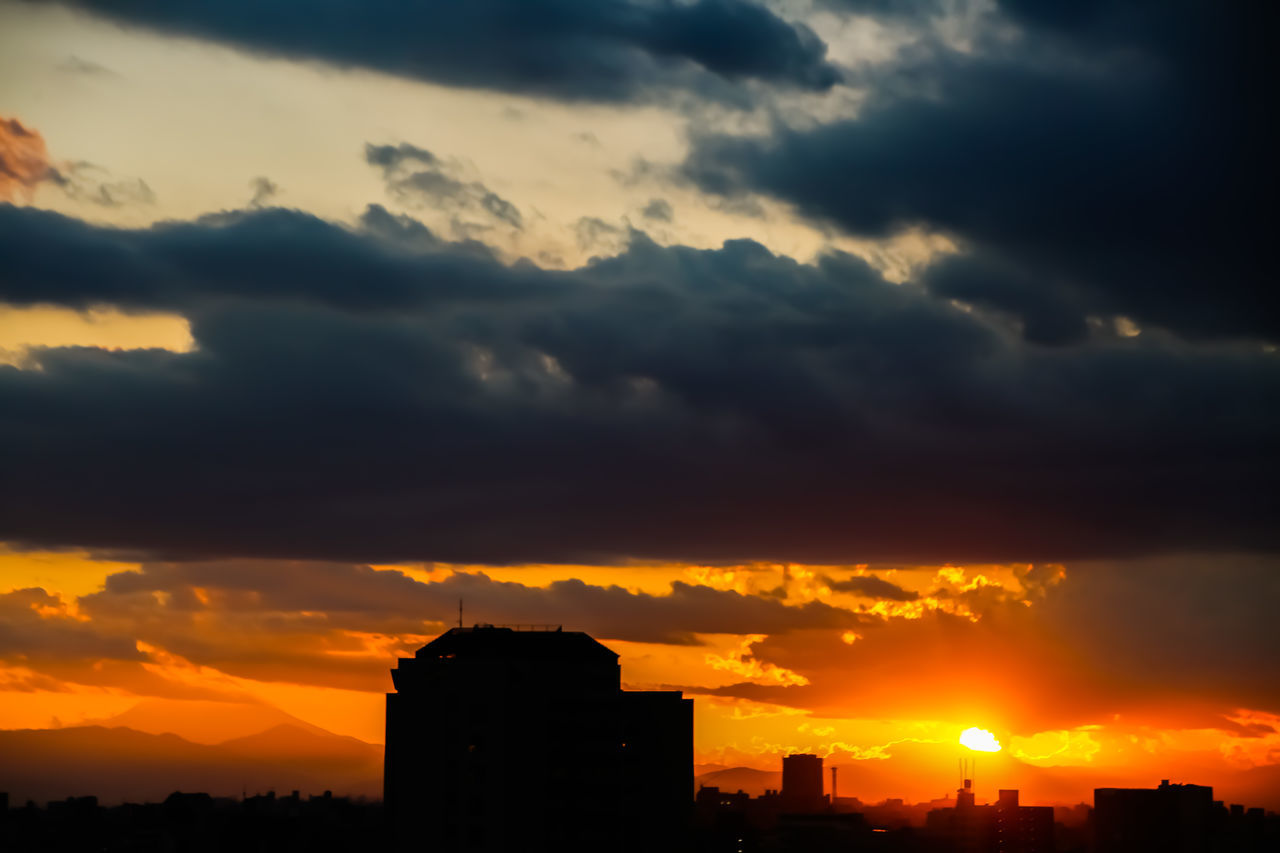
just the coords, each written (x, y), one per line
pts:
(872, 587)
(359, 396)
(359, 598)
(608, 50)
(417, 177)
(1172, 642)
(1111, 161)
(272, 253)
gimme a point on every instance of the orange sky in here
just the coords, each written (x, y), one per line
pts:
(886, 698)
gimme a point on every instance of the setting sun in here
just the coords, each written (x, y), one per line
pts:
(979, 740)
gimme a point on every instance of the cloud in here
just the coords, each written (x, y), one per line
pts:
(358, 396)
(658, 210)
(871, 586)
(417, 177)
(1170, 642)
(593, 232)
(359, 598)
(1108, 162)
(264, 189)
(1090, 646)
(35, 626)
(336, 625)
(89, 182)
(24, 162)
(46, 645)
(603, 50)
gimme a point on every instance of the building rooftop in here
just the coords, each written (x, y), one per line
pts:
(501, 642)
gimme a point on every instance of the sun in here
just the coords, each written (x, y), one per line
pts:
(979, 740)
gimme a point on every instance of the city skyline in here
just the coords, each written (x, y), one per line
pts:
(520, 737)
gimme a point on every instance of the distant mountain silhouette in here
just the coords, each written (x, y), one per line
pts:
(311, 748)
(120, 764)
(703, 769)
(201, 721)
(750, 780)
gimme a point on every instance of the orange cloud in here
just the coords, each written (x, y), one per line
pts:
(741, 663)
(24, 161)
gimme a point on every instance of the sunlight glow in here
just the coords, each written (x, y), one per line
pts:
(979, 740)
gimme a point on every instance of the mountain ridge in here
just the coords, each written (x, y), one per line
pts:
(119, 764)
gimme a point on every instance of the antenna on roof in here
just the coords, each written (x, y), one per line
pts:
(459, 612)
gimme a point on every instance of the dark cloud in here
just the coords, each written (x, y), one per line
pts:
(592, 232)
(1170, 642)
(44, 646)
(89, 182)
(658, 210)
(376, 394)
(358, 598)
(872, 587)
(333, 624)
(607, 50)
(36, 626)
(417, 177)
(1111, 161)
(264, 189)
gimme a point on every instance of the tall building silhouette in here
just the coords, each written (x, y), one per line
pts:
(1022, 829)
(802, 783)
(1004, 827)
(1171, 818)
(502, 740)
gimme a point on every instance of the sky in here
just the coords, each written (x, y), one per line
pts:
(868, 369)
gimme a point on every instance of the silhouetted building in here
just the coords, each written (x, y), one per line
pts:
(964, 795)
(713, 799)
(802, 783)
(722, 821)
(523, 740)
(818, 833)
(1173, 818)
(1022, 829)
(1004, 827)
(1242, 830)
(197, 823)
